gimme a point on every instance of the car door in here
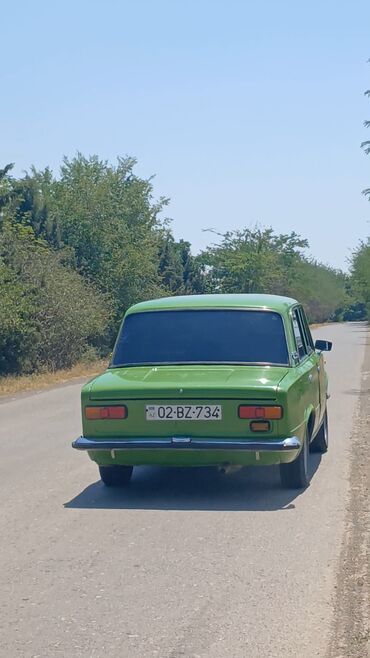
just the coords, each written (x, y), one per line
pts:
(320, 363)
(307, 367)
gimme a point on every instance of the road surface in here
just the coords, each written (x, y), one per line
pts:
(186, 563)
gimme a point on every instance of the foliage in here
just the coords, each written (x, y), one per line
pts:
(180, 272)
(320, 288)
(361, 255)
(253, 261)
(107, 216)
(361, 274)
(49, 314)
(258, 260)
(16, 329)
(77, 250)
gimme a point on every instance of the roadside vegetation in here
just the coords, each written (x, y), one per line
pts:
(78, 248)
(360, 271)
(38, 380)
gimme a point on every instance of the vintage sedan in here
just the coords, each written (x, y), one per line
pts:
(209, 380)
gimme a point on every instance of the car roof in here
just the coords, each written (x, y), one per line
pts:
(268, 302)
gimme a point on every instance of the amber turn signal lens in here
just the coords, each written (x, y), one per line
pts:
(260, 426)
(250, 412)
(105, 413)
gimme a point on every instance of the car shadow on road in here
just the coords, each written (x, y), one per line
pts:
(201, 489)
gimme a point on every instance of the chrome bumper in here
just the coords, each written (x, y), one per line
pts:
(187, 443)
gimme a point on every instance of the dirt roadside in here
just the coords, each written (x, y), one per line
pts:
(29, 384)
(351, 632)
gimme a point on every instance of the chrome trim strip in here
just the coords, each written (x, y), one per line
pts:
(188, 443)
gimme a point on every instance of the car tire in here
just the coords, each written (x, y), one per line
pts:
(295, 474)
(115, 476)
(321, 440)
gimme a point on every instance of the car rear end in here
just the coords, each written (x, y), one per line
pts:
(192, 387)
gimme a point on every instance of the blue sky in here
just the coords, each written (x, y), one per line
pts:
(247, 112)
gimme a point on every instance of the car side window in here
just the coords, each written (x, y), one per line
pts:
(306, 329)
(299, 335)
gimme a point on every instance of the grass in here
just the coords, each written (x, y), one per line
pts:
(15, 384)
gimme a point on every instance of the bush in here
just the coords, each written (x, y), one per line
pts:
(50, 315)
(17, 333)
(361, 274)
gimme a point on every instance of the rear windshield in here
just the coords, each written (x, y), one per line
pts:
(205, 336)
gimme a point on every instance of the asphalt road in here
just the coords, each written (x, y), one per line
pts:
(186, 562)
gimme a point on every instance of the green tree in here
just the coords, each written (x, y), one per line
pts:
(50, 316)
(322, 289)
(34, 205)
(77, 250)
(361, 256)
(103, 221)
(181, 273)
(5, 187)
(17, 333)
(260, 261)
(108, 218)
(361, 273)
(253, 260)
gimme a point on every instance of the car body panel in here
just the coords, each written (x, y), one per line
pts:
(187, 380)
(295, 387)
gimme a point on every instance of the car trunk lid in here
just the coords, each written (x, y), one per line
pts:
(190, 382)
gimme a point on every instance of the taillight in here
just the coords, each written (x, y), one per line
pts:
(106, 413)
(249, 412)
(260, 426)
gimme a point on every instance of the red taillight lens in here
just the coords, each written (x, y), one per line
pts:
(249, 412)
(105, 413)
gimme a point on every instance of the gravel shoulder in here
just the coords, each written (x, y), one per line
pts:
(351, 636)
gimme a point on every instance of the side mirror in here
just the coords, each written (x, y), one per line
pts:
(323, 345)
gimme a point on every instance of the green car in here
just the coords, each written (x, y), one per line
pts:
(209, 380)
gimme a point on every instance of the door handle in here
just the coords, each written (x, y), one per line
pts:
(310, 378)
(318, 368)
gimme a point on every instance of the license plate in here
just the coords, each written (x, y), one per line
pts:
(184, 412)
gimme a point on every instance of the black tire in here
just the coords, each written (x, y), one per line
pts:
(115, 476)
(295, 474)
(321, 440)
